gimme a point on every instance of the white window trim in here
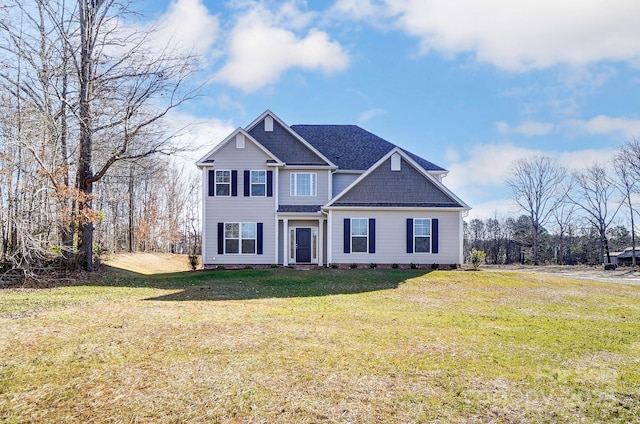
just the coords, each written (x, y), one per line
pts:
(292, 243)
(430, 252)
(366, 252)
(255, 250)
(215, 182)
(251, 183)
(313, 184)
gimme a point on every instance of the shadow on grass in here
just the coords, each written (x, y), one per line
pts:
(262, 283)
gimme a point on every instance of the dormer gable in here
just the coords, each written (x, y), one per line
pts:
(396, 180)
(287, 145)
(238, 140)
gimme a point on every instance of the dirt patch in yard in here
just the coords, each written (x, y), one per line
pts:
(148, 263)
(625, 275)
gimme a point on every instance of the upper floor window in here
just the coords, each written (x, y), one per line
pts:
(223, 183)
(303, 184)
(422, 235)
(258, 183)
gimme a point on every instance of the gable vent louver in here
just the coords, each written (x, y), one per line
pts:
(268, 124)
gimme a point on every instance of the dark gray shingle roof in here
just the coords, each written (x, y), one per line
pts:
(299, 208)
(351, 147)
(400, 205)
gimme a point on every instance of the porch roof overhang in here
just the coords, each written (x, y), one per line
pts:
(300, 212)
(299, 208)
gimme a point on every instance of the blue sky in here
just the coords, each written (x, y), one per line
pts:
(469, 85)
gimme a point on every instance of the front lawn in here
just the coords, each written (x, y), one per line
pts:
(284, 345)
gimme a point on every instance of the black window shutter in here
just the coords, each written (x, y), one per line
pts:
(220, 238)
(259, 240)
(247, 183)
(269, 183)
(372, 235)
(434, 236)
(234, 183)
(409, 235)
(347, 235)
(212, 182)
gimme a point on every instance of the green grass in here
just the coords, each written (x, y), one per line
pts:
(283, 345)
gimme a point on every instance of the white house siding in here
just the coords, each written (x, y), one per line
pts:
(322, 187)
(239, 208)
(342, 181)
(391, 237)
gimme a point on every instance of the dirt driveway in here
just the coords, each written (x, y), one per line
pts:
(624, 275)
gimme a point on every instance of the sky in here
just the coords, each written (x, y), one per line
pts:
(469, 85)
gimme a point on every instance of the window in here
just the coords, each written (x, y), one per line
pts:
(359, 235)
(303, 184)
(422, 235)
(314, 244)
(223, 183)
(240, 238)
(258, 183)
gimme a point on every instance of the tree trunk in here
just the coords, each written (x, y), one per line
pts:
(84, 183)
(633, 234)
(605, 243)
(131, 211)
(536, 253)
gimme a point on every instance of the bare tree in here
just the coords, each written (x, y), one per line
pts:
(627, 165)
(101, 92)
(134, 87)
(563, 216)
(537, 185)
(594, 195)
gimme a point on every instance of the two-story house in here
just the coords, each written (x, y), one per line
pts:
(325, 195)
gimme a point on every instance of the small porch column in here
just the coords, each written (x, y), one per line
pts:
(320, 241)
(287, 241)
(329, 238)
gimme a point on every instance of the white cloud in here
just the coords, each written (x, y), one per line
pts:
(598, 125)
(524, 35)
(359, 10)
(370, 114)
(197, 135)
(478, 175)
(580, 159)
(451, 155)
(188, 25)
(494, 208)
(264, 44)
(601, 124)
(486, 165)
(527, 128)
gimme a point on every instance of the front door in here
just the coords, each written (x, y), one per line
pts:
(303, 245)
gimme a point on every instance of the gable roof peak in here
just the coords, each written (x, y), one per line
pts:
(205, 160)
(298, 145)
(365, 148)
